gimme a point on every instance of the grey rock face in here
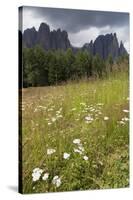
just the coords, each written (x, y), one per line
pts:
(59, 40)
(43, 36)
(46, 38)
(122, 50)
(104, 45)
(29, 37)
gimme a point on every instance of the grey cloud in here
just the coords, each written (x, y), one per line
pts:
(75, 20)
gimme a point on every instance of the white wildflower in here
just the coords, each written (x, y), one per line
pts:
(126, 111)
(81, 148)
(45, 176)
(92, 109)
(100, 104)
(122, 122)
(100, 162)
(43, 107)
(77, 151)
(35, 110)
(76, 141)
(53, 119)
(55, 178)
(89, 118)
(58, 112)
(106, 118)
(50, 151)
(36, 174)
(66, 155)
(50, 109)
(49, 123)
(37, 170)
(85, 157)
(125, 119)
(99, 112)
(56, 181)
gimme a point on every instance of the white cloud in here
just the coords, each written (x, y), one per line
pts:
(82, 37)
(30, 20)
(85, 36)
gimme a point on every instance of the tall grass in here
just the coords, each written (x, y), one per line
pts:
(54, 116)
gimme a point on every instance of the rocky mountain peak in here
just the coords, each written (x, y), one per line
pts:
(104, 45)
(29, 37)
(122, 50)
(44, 28)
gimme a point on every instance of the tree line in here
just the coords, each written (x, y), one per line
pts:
(41, 68)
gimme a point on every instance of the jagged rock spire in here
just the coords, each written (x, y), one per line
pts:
(104, 45)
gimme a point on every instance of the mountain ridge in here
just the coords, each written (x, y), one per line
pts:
(104, 45)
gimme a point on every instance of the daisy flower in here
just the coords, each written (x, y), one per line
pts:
(88, 118)
(66, 155)
(56, 181)
(126, 111)
(50, 151)
(45, 176)
(77, 151)
(85, 157)
(76, 141)
(106, 118)
(36, 174)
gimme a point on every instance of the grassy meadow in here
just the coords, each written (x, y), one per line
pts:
(76, 136)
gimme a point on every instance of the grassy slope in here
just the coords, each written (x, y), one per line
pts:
(105, 142)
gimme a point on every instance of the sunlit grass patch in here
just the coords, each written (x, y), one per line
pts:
(77, 135)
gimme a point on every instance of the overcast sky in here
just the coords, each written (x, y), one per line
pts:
(81, 25)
